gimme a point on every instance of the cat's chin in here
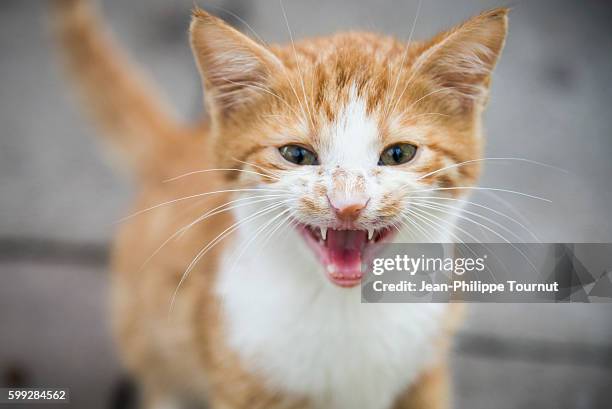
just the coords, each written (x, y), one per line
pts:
(344, 252)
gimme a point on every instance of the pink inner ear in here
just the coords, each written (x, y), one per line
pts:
(233, 66)
(462, 59)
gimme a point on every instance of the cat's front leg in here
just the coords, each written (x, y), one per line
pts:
(243, 398)
(430, 391)
(152, 400)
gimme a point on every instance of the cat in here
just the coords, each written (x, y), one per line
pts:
(236, 279)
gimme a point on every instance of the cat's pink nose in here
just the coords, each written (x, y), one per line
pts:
(348, 209)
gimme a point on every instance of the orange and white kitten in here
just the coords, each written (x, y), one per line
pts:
(238, 282)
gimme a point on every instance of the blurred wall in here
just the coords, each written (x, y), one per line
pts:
(550, 103)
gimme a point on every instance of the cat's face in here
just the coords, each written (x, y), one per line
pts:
(351, 130)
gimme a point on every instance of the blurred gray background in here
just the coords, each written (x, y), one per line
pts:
(59, 199)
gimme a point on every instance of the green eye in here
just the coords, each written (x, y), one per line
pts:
(397, 154)
(298, 155)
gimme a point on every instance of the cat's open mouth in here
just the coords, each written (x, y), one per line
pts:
(344, 252)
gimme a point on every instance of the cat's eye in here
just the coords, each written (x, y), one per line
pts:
(397, 154)
(298, 155)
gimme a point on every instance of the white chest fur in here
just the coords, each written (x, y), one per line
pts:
(305, 336)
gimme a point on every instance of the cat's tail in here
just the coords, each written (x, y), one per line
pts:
(122, 102)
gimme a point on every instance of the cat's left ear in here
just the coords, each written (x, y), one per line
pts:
(234, 68)
(461, 60)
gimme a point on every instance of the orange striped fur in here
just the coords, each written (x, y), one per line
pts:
(259, 98)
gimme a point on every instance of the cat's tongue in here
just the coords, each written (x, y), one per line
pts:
(343, 256)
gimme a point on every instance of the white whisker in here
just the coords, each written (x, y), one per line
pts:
(501, 236)
(405, 54)
(241, 20)
(456, 165)
(427, 114)
(450, 228)
(297, 64)
(258, 87)
(483, 207)
(198, 195)
(460, 210)
(213, 212)
(482, 188)
(415, 223)
(254, 237)
(211, 244)
(276, 174)
(195, 172)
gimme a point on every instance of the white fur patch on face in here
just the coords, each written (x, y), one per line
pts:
(353, 138)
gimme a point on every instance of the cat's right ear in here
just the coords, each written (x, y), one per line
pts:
(460, 61)
(234, 68)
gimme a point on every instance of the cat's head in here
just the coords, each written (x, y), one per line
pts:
(350, 130)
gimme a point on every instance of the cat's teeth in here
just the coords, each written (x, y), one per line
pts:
(324, 233)
(370, 234)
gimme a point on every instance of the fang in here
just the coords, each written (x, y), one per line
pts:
(370, 234)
